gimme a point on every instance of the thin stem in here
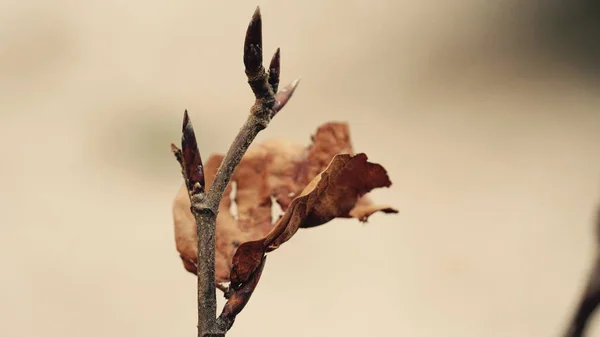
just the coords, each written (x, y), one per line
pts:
(253, 125)
(207, 297)
(587, 305)
(590, 299)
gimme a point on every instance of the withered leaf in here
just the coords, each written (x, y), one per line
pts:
(292, 176)
(331, 194)
(240, 297)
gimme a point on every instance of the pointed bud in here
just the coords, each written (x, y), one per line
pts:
(284, 96)
(253, 44)
(274, 71)
(192, 162)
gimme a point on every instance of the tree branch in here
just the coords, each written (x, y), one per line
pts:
(205, 206)
(590, 298)
(587, 304)
(267, 104)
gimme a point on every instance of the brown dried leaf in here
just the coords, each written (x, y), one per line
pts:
(185, 230)
(280, 171)
(364, 208)
(240, 296)
(333, 193)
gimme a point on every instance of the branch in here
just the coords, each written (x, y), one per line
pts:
(587, 305)
(265, 107)
(591, 296)
(205, 205)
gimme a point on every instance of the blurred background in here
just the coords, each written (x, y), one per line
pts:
(485, 114)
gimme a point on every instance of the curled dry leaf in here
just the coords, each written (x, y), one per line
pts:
(240, 297)
(292, 176)
(331, 194)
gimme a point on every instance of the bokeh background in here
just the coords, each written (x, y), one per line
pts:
(485, 113)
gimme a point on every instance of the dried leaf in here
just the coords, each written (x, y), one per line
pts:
(364, 208)
(240, 297)
(185, 230)
(281, 171)
(333, 193)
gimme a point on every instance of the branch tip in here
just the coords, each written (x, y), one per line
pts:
(253, 44)
(256, 13)
(186, 120)
(295, 83)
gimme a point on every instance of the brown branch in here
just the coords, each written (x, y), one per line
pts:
(260, 112)
(587, 304)
(590, 298)
(205, 206)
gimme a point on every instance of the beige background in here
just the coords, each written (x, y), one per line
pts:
(491, 140)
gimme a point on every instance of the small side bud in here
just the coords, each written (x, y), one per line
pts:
(192, 162)
(274, 71)
(283, 97)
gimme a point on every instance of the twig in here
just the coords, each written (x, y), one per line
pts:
(260, 113)
(205, 206)
(591, 296)
(587, 304)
